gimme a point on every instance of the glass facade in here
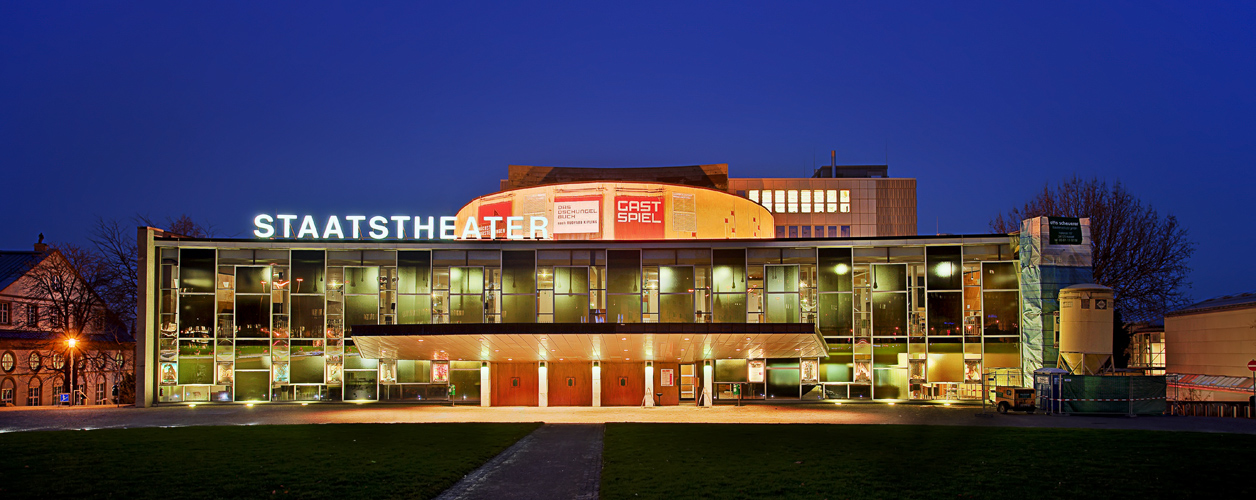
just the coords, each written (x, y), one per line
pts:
(257, 322)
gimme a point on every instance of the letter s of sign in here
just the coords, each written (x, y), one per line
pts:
(264, 227)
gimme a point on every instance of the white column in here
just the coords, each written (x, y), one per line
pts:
(708, 374)
(649, 384)
(542, 385)
(597, 384)
(486, 384)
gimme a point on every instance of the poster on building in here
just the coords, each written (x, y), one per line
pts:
(810, 371)
(756, 370)
(1064, 231)
(492, 217)
(667, 377)
(638, 217)
(169, 373)
(440, 372)
(578, 215)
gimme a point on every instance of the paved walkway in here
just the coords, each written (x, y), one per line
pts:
(49, 418)
(555, 461)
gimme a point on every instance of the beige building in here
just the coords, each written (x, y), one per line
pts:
(35, 357)
(844, 201)
(1208, 346)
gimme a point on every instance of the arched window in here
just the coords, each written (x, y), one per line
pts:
(7, 388)
(34, 361)
(58, 361)
(34, 391)
(8, 361)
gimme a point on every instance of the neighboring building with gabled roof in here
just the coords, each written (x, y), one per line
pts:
(34, 347)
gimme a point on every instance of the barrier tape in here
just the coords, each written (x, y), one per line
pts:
(1110, 400)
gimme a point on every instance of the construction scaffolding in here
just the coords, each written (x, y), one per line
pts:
(1045, 268)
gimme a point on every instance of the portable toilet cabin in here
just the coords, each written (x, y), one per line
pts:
(1047, 387)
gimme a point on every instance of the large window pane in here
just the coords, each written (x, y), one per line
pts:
(414, 309)
(945, 312)
(623, 271)
(307, 362)
(252, 315)
(196, 270)
(729, 270)
(466, 280)
(730, 308)
(252, 386)
(196, 362)
(361, 310)
(889, 314)
(519, 308)
(360, 386)
(676, 308)
(945, 272)
(466, 309)
(782, 307)
(571, 280)
(889, 277)
(1002, 313)
(835, 269)
(999, 276)
(252, 279)
(308, 271)
(307, 316)
(571, 308)
(781, 278)
(361, 280)
(414, 270)
(196, 315)
(519, 271)
(623, 308)
(252, 355)
(836, 314)
(677, 279)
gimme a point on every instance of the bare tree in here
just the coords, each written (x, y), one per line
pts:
(62, 286)
(114, 242)
(1135, 251)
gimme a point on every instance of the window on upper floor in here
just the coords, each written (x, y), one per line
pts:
(805, 202)
(8, 361)
(779, 196)
(6, 313)
(32, 315)
(846, 208)
(830, 198)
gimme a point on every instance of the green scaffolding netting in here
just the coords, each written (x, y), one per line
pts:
(1045, 269)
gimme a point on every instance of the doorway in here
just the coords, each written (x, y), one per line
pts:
(688, 382)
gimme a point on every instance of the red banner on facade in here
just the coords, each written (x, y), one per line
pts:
(638, 217)
(501, 209)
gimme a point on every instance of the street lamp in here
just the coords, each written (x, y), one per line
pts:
(71, 342)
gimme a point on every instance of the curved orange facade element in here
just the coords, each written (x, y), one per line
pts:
(620, 211)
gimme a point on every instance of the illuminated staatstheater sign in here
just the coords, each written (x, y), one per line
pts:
(399, 227)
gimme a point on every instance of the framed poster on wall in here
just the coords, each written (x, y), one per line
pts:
(810, 371)
(756, 370)
(667, 377)
(440, 372)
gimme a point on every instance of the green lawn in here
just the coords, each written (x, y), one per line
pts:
(891, 461)
(337, 461)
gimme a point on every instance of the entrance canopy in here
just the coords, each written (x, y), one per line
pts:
(684, 342)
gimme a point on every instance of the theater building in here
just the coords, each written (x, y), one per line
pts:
(580, 287)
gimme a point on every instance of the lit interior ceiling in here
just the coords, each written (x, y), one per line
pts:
(684, 347)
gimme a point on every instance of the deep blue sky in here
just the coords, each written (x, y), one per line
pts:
(223, 110)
